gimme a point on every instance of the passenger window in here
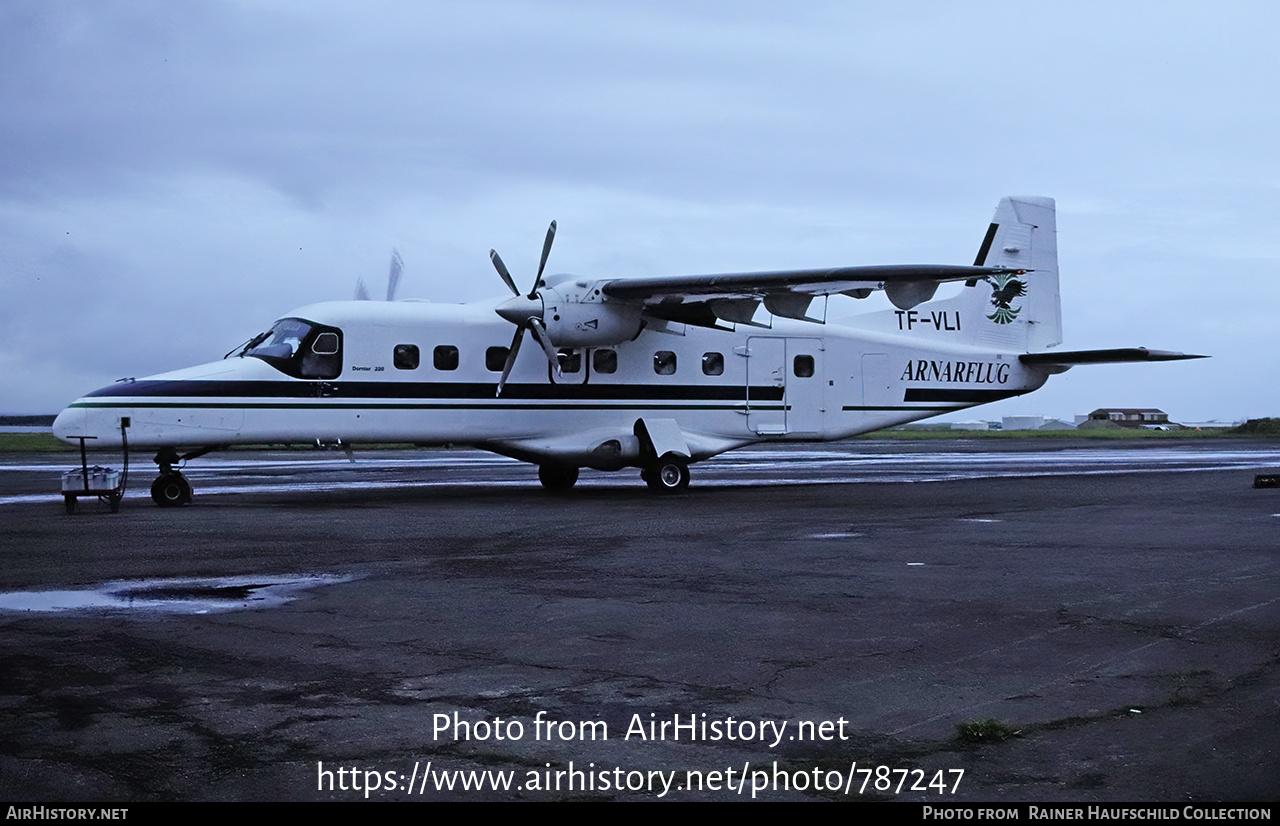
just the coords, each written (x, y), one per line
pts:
(405, 357)
(570, 360)
(495, 358)
(712, 364)
(445, 357)
(803, 367)
(604, 361)
(664, 363)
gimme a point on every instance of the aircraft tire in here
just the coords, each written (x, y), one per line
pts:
(170, 490)
(70, 502)
(668, 475)
(557, 477)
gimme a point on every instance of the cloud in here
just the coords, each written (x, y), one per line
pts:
(174, 176)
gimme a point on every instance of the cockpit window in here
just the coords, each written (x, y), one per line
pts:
(326, 344)
(300, 349)
(281, 341)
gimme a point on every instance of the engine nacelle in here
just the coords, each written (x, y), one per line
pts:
(906, 294)
(576, 314)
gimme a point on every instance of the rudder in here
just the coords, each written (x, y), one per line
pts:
(1020, 311)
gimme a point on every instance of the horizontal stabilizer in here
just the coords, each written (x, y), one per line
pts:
(1059, 362)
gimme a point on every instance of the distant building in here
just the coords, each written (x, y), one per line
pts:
(1022, 422)
(972, 426)
(1034, 423)
(1129, 417)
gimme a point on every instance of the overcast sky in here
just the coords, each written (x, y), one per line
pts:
(174, 176)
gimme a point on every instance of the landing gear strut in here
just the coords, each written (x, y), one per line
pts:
(667, 475)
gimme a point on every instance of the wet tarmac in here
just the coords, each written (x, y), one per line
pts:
(809, 623)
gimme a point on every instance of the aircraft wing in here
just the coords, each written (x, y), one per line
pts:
(1060, 362)
(702, 299)
(813, 282)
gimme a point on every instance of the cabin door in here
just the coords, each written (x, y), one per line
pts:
(786, 385)
(766, 385)
(806, 381)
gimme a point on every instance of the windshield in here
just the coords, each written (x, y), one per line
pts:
(299, 348)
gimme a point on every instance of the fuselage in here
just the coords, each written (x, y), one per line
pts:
(366, 372)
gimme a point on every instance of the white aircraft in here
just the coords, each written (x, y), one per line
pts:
(649, 373)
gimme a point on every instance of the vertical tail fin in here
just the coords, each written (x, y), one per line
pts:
(1011, 312)
(1019, 311)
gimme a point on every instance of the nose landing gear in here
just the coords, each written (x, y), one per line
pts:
(171, 488)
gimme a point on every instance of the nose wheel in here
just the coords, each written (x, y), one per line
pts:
(171, 489)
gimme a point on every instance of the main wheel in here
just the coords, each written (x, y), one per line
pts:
(170, 490)
(557, 477)
(667, 475)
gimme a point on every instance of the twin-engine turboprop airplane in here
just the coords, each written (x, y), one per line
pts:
(653, 373)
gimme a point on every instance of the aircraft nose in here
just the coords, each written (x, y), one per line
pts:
(520, 309)
(70, 424)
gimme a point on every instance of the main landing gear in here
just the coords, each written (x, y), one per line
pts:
(668, 474)
(171, 488)
(557, 477)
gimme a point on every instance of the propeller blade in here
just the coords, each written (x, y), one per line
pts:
(542, 265)
(362, 294)
(393, 280)
(525, 311)
(539, 331)
(511, 358)
(502, 271)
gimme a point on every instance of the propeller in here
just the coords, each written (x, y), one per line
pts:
(525, 311)
(393, 279)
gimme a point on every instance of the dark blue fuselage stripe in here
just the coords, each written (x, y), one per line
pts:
(285, 404)
(947, 394)
(437, 390)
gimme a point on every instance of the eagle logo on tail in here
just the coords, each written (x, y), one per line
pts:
(1005, 288)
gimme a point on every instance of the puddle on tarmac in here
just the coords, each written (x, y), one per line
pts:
(173, 596)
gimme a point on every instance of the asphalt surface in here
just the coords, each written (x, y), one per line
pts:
(1113, 611)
